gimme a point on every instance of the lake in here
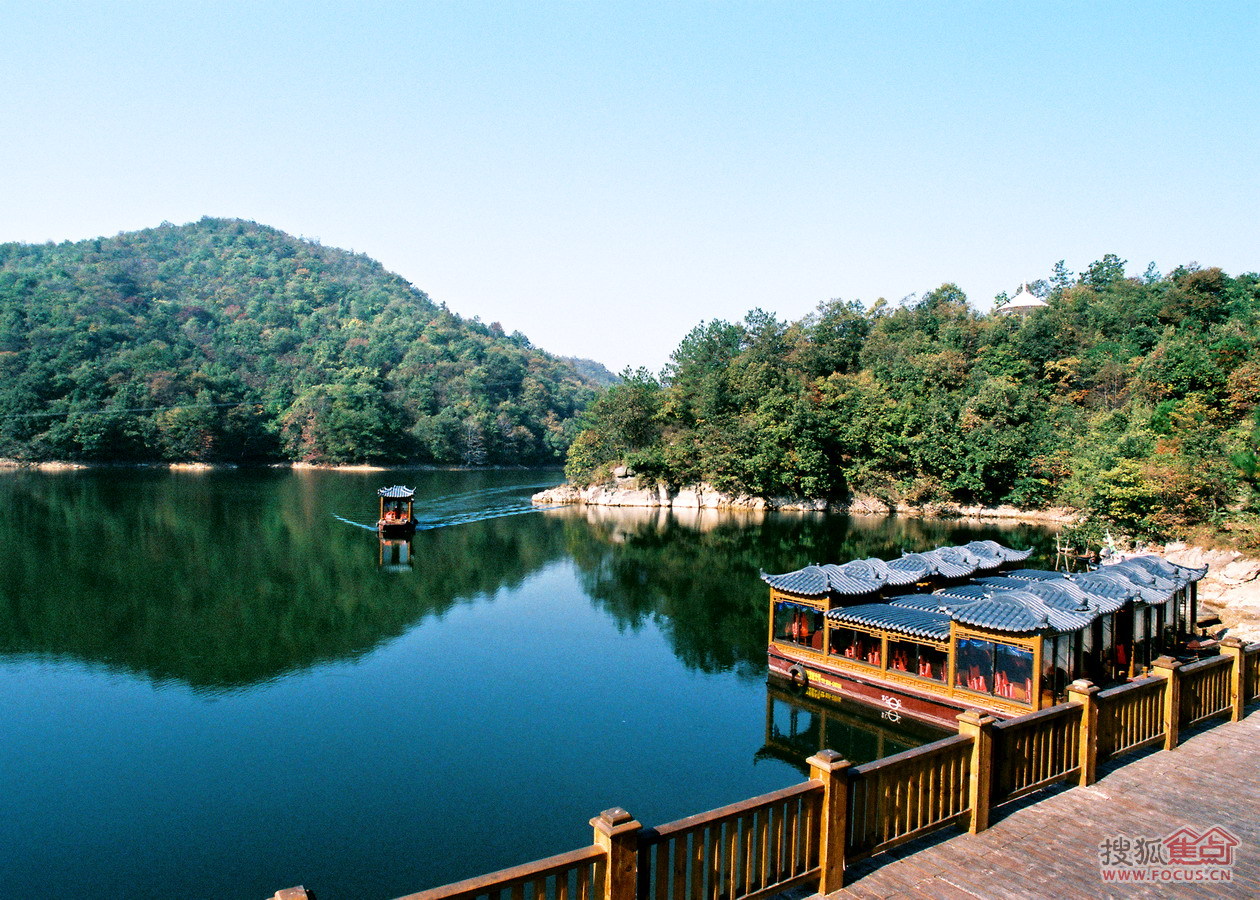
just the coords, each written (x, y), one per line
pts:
(219, 684)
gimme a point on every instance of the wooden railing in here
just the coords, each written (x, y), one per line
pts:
(1251, 690)
(578, 875)
(1205, 690)
(1130, 716)
(745, 850)
(1034, 751)
(809, 832)
(895, 799)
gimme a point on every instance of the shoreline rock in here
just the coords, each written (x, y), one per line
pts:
(1230, 589)
(627, 490)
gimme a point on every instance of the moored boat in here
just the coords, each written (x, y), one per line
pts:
(933, 634)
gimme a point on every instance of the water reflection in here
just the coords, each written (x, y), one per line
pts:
(223, 580)
(300, 684)
(395, 555)
(801, 723)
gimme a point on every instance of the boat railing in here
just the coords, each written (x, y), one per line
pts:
(809, 833)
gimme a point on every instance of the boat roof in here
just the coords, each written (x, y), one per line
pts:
(397, 492)
(921, 623)
(852, 579)
(1015, 609)
(1018, 602)
(869, 576)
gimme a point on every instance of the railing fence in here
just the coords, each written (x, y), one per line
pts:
(807, 833)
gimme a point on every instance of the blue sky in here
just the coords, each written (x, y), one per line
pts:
(604, 176)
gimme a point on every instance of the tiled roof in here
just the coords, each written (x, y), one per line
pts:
(898, 577)
(397, 492)
(917, 601)
(911, 564)
(1159, 565)
(815, 581)
(923, 623)
(997, 613)
(947, 566)
(1037, 575)
(1107, 594)
(1152, 596)
(993, 548)
(981, 605)
(1060, 594)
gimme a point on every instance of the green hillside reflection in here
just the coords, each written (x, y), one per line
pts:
(228, 579)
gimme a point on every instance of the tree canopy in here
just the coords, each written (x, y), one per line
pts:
(225, 340)
(1132, 398)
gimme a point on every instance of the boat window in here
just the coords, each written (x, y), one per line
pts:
(856, 645)
(903, 656)
(918, 659)
(1061, 658)
(1142, 636)
(797, 624)
(933, 663)
(975, 665)
(1012, 673)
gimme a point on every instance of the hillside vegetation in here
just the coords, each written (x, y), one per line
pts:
(1133, 399)
(228, 340)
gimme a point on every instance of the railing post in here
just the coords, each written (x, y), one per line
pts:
(1237, 649)
(618, 833)
(980, 728)
(1085, 693)
(1170, 669)
(831, 769)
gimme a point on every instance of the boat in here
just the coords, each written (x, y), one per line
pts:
(396, 519)
(933, 634)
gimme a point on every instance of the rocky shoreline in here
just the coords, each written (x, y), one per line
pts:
(627, 490)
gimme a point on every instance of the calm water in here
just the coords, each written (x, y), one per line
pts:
(210, 685)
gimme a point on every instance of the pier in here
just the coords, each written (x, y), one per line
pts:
(1046, 802)
(1052, 847)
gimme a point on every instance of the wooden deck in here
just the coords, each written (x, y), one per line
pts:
(1048, 845)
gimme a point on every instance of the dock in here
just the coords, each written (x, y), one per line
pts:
(1051, 847)
(1143, 789)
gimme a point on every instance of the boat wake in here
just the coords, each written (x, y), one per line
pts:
(429, 523)
(355, 524)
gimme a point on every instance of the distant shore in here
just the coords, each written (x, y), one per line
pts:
(72, 466)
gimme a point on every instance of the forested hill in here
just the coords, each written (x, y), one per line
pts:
(228, 340)
(1134, 399)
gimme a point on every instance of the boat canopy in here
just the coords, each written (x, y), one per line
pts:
(1016, 611)
(1159, 566)
(397, 492)
(921, 623)
(993, 548)
(851, 579)
(869, 576)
